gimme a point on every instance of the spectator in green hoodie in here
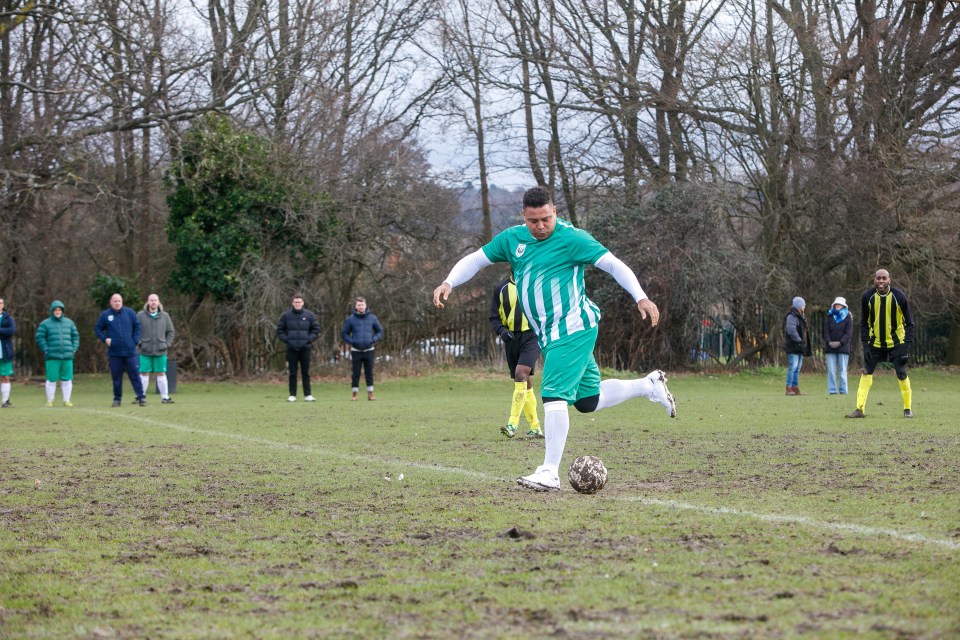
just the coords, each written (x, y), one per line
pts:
(58, 339)
(7, 328)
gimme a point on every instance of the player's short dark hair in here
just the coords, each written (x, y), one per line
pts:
(537, 197)
(297, 295)
(360, 299)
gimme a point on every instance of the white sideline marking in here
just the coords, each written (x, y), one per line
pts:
(783, 519)
(654, 502)
(295, 447)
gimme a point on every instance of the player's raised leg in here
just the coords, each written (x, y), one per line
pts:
(653, 387)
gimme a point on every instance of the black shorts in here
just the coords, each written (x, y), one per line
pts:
(899, 356)
(523, 349)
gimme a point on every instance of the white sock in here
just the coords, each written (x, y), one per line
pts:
(51, 388)
(4, 391)
(613, 392)
(145, 382)
(162, 386)
(66, 388)
(556, 425)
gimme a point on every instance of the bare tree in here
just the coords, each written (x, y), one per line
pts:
(465, 64)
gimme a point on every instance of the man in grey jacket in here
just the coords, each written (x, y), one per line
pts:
(156, 335)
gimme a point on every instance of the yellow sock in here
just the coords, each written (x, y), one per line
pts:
(906, 392)
(519, 397)
(530, 409)
(866, 381)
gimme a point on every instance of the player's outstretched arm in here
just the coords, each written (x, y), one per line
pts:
(627, 279)
(466, 268)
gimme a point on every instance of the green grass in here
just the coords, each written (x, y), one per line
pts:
(234, 514)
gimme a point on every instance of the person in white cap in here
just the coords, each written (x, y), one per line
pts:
(796, 343)
(837, 338)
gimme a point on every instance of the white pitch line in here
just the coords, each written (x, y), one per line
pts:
(296, 447)
(785, 519)
(653, 502)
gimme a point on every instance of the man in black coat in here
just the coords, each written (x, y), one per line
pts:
(297, 329)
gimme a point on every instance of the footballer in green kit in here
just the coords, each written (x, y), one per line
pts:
(548, 257)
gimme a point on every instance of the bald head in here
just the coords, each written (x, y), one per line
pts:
(881, 280)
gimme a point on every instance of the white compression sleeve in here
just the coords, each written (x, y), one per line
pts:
(623, 274)
(468, 267)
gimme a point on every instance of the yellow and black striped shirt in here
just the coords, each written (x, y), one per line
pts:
(504, 310)
(885, 320)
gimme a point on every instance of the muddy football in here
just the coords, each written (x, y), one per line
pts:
(588, 474)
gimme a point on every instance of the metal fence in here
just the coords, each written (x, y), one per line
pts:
(719, 340)
(467, 337)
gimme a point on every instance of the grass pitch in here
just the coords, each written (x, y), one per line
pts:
(234, 514)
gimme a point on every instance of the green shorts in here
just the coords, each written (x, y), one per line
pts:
(153, 364)
(59, 370)
(570, 371)
(6, 367)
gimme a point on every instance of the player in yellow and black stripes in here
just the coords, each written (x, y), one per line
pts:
(886, 331)
(523, 351)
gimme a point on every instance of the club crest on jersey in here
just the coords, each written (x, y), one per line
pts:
(520, 249)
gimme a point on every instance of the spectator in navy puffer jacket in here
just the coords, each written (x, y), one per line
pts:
(119, 329)
(361, 331)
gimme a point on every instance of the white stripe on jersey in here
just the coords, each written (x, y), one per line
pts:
(574, 319)
(535, 319)
(557, 309)
(593, 318)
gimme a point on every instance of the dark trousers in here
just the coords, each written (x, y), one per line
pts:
(130, 364)
(301, 358)
(364, 359)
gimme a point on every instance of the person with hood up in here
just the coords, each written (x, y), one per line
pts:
(837, 336)
(361, 331)
(156, 334)
(58, 339)
(119, 328)
(7, 328)
(796, 344)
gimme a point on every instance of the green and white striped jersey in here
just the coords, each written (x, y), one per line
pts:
(549, 277)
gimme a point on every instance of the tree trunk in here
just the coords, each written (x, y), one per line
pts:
(953, 346)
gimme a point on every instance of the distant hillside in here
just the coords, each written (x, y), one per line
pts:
(504, 208)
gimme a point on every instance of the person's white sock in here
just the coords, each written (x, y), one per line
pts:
(51, 388)
(66, 388)
(4, 391)
(556, 425)
(613, 392)
(162, 386)
(145, 383)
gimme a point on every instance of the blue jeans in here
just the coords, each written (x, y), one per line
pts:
(837, 372)
(793, 369)
(130, 364)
